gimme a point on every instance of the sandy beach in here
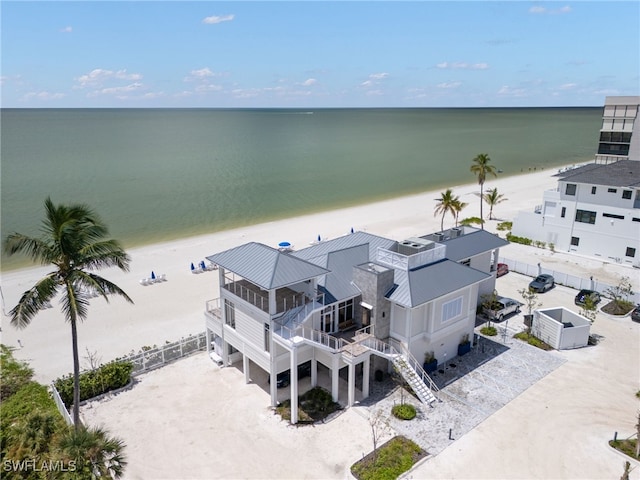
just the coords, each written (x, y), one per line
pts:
(173, 309)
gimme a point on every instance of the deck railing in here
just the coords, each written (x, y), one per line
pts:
(312, 335)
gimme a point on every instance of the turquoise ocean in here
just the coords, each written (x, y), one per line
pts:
(161, 174)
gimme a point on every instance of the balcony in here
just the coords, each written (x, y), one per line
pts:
(286, 298)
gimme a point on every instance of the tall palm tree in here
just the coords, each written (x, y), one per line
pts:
(446, 204)
(493, 198)
(458, 206)
(93, 452)
(481, 168)
(73, 242)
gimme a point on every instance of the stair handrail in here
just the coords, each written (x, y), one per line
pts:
(313, 335)
(415, 365)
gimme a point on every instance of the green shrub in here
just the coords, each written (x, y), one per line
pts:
(404, 411)
(504, 226)
(30, 398)
(515, 239)
(531, 340)
(314, 405)
(628, 446)
(15, 374)
(103, 379)
(390, 461)
(489, 331)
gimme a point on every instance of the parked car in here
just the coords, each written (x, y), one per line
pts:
(284, 378)
(542, 283)
(582, 296)
(502, 269)
(502, 307)
(635, 314)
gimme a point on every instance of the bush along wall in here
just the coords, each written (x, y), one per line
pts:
(106, 378)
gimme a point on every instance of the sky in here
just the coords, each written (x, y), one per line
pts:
(301, 54)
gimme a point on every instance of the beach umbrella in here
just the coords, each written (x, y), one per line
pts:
(351, 229)
(193, 267)
(284, 244)
(153, 275)
(319, 238)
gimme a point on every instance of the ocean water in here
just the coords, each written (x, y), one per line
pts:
(160, 174)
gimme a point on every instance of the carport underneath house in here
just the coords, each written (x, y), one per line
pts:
(349, 305)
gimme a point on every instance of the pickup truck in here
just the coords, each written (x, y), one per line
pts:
(502, 307)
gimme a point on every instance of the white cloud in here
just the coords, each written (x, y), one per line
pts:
(462, 66)
(218, 19)
(309, 82)
(538, 10)
(44, 95)
(66, 30)
(508, 91)
(367, 83)
(117, 90)
(379, 76)
(449, 85)
(568, 86)
(99, 76)
(200, 75)
(209, 87)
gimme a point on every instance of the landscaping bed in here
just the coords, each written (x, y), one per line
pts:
(389, 461)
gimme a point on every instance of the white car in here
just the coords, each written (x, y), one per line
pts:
(502, 307)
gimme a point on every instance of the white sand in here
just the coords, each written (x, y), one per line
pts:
(167, 311)
(173, 309)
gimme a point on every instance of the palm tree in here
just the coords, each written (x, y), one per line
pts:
(458, 207)
(493, 198)
(73, 241)
(446, 203)
(481, 168)
(92, 453)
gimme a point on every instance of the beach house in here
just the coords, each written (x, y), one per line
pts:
(595, 208)
(357, 305)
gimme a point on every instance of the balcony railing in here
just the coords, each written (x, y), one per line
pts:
(409, 262)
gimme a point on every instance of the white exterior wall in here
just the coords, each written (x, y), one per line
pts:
(548, 327)
(608, 238)
(423, 330)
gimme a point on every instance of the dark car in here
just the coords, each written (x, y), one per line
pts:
(284, 378)
(635, 314)
(582, 296)
(502, 269)
(542, 283)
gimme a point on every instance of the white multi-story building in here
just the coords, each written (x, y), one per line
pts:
(595, 209)
(360, 303)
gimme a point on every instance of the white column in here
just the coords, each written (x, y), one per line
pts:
(293, 365)
(245, 366)
(314, 372)
(335, 377)
(365, 377)
(352, 385)
(208, 334)
(273, 377)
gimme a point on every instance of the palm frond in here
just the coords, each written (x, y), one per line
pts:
(33, 300)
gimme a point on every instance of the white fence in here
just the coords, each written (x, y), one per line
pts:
(60, 404)
(562, 278)
(157, 357)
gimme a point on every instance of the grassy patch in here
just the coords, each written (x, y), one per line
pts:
(531, 340)
(313, 406)
(489, 331)
(628, 446)
(404, 411)
(389, 461)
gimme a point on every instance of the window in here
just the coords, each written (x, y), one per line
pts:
(626, 194)
(575, 241)
(452, 309)
(571, 189)
(345, 311)
(563, 212)
(585, 216)
(612, 190)
(611, 215)
(635, 219)
(229, 313)
(593, 190)
(631, 252)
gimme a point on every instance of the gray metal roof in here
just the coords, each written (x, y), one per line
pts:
(338, 284)
(624, 173)
(422, 285)
(265, 266)
(472, 244)
(314, 253)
